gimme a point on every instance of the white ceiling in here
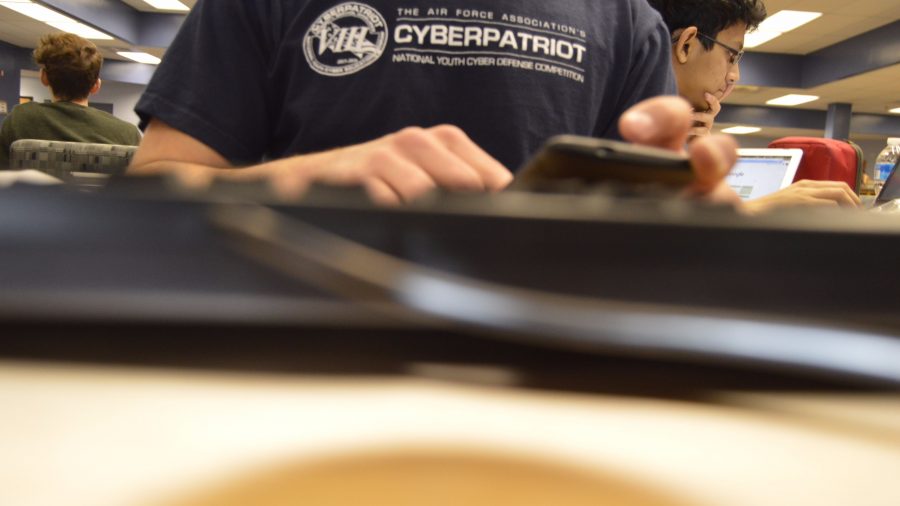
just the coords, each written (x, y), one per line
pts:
(872, 92)
(841, 20)
(20, 30)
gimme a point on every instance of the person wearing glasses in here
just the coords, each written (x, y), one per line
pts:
(707, 47)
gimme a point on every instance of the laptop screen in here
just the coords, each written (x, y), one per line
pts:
(891, 188)
(760, 172)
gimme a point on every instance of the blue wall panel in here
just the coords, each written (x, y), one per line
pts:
(12, 60)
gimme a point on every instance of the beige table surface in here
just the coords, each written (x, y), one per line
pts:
(104, 436)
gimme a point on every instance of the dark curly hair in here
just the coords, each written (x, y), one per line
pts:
(710, 16)
(72, 64)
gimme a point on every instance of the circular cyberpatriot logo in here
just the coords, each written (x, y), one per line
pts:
(345, 39)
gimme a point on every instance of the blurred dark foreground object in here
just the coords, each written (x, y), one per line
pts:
(140, 274)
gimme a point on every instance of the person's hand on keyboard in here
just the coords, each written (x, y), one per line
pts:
(397, 168)
(807, 193)
(403, 166)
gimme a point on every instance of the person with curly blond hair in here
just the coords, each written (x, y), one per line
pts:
(70, 67)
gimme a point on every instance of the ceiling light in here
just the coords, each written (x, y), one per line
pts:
(140, 57)
(167, 5)
(758, 38)
(35, 11)
(778, 24)
(80, 30)
(895, 110)
(741, 130)
(54, 19)
(785, 21)
(791, 100)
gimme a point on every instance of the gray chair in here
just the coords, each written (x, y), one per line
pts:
(79, 163)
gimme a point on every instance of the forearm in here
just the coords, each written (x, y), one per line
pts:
(394, 168)
(165, 167)
(300, 163)
(165, 150)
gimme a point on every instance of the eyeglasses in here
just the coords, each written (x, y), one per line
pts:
(735, 55)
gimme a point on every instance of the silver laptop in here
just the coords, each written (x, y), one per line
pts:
(760, 172)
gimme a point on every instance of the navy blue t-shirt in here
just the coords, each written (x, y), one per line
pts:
(265, 79)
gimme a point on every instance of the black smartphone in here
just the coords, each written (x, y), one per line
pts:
(590, 160)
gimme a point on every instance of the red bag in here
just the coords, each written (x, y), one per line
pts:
(826, 159)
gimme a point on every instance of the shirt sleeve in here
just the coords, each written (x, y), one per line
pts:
(650, 73)
(212, 84)
(137, 136)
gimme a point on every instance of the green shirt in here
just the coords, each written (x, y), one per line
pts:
(63, 121)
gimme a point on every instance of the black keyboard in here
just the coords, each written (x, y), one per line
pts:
(142, 256)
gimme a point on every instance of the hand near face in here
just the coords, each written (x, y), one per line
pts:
(703, 120)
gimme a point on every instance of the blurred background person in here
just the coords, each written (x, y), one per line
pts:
(70, 67)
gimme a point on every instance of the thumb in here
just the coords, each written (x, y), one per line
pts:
(712, 158)
(663, 122)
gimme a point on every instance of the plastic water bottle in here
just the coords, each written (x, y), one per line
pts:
(885, 162)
